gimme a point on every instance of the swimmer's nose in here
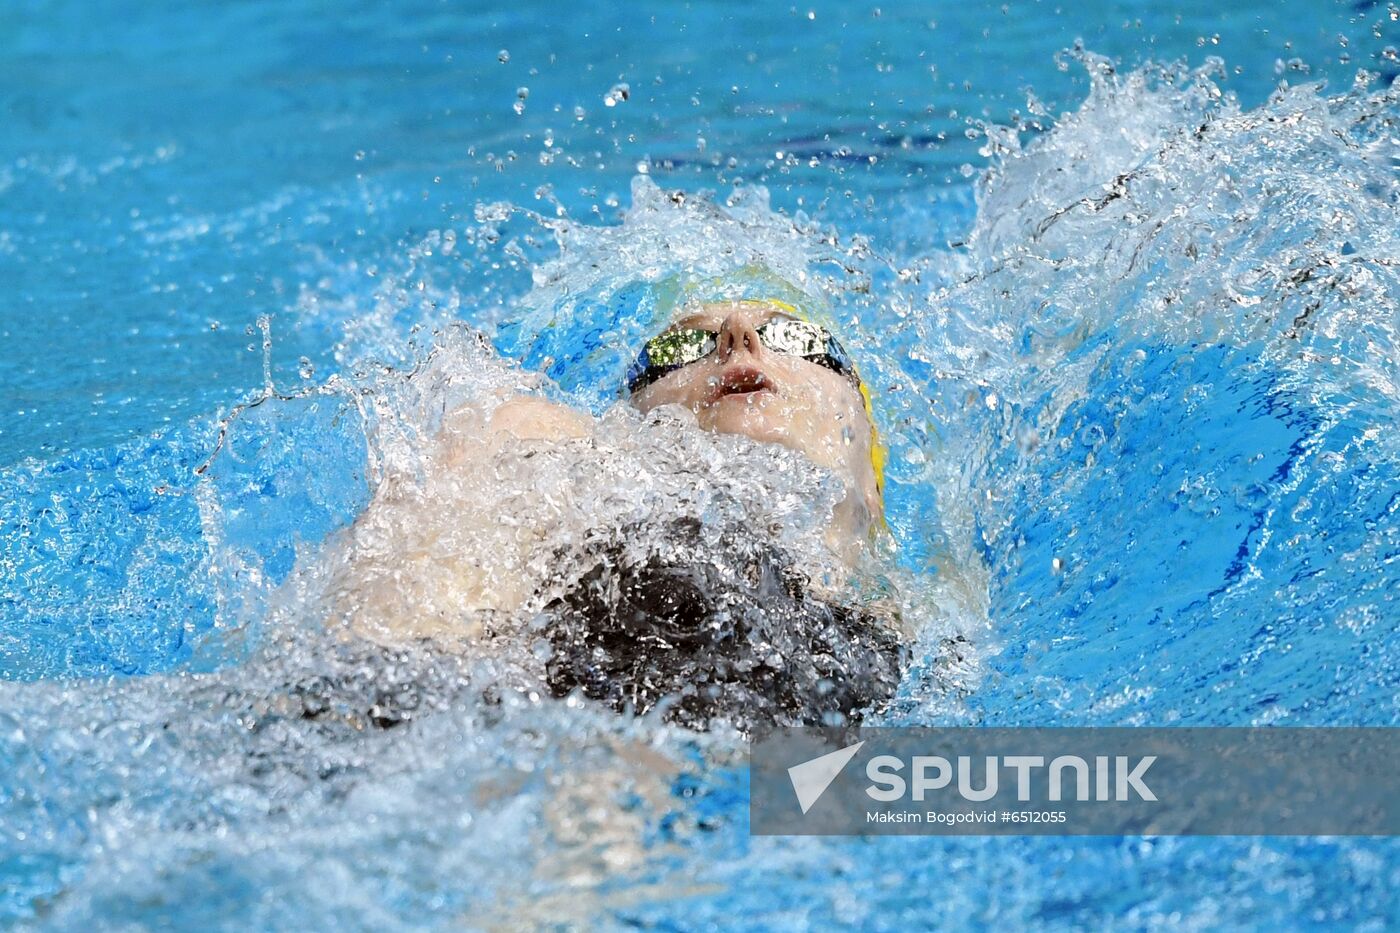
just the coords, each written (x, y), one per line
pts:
(738, 333)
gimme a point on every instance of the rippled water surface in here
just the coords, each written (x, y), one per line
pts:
(1125, 286)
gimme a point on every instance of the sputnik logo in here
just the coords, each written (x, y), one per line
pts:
(811, 778)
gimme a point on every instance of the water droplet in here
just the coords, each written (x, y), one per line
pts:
(617, 94)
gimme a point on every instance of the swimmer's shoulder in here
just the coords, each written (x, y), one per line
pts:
(477, 432)
(531, 418)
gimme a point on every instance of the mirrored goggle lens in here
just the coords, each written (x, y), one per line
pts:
(667, 352)
(679, 348)
(796, 337)
(812, 341)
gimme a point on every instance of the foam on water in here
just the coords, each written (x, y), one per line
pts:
(1143, 465)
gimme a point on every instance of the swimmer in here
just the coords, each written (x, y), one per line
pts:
(751, 366)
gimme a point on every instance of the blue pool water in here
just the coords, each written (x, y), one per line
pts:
(1137, 359)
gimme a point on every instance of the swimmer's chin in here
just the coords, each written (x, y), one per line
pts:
(743, 415)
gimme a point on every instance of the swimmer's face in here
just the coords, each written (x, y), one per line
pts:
(744, 387)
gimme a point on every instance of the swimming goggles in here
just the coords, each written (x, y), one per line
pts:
(665, 353)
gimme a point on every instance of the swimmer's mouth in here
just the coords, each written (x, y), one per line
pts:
(741, 381)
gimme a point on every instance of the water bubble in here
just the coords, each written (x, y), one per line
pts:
(580, 113)
(503, 56)
(305, 368)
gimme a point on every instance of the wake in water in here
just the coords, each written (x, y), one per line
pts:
(1143, 471)
(640, 561)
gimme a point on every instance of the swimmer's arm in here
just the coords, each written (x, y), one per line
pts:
(395, 533)
(469, 434)
(531, 418)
